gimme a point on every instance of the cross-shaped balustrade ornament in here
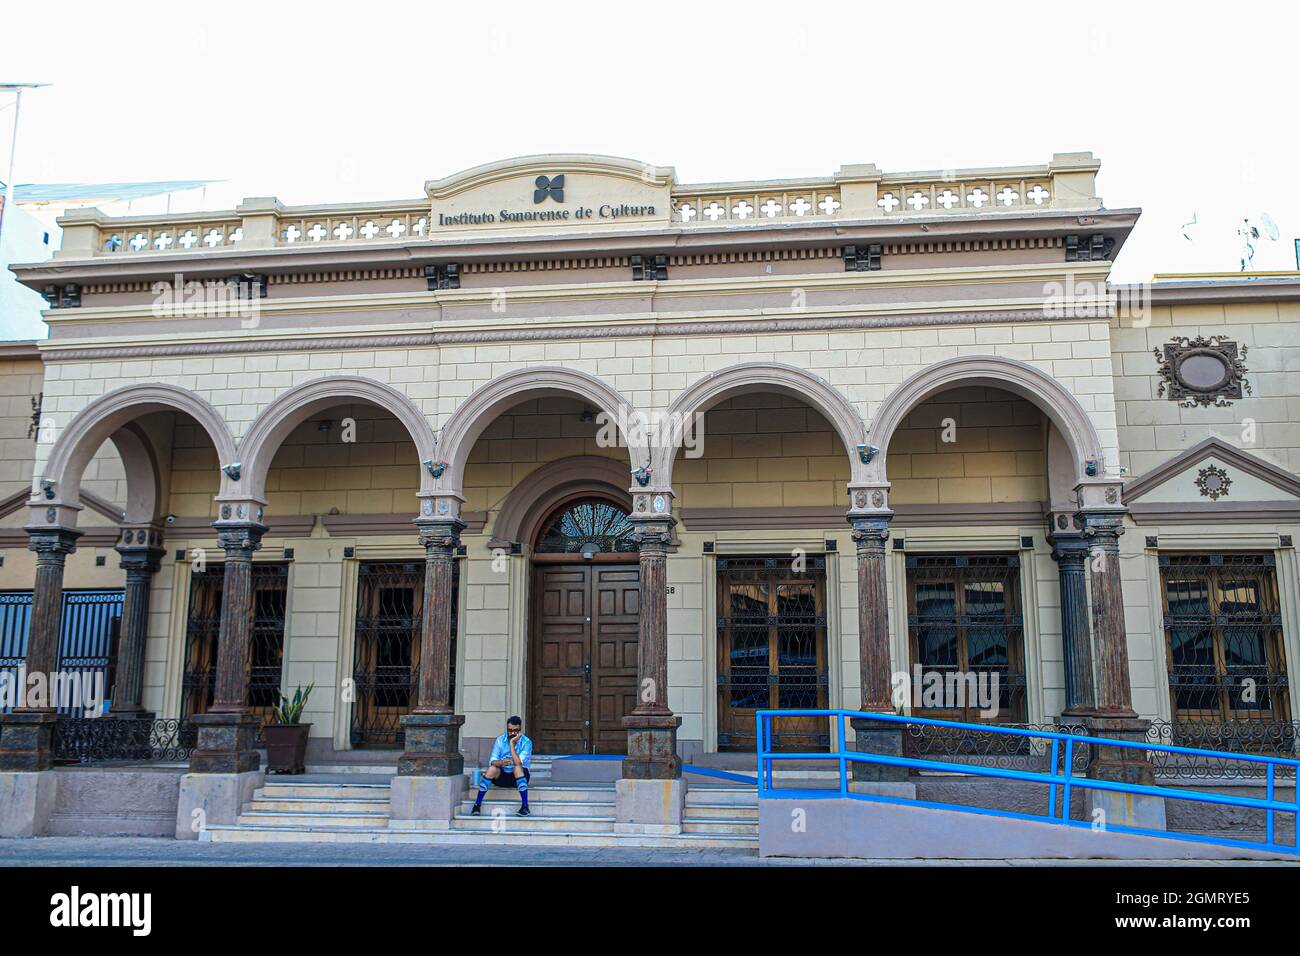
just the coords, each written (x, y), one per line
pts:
(343, 231)
(948, 199)
(977, 197)
(316, 233)
(164, 240)
(113, 243)
(918, 200)
(369, 230)
(800, 206)
(292, 234)
(742, 210)
(421, 224)
(188, 239)
(395, 228)
(888, 202)
(138, 241)
(1038, 194)
(771, 209)
(1008, 196)
(714, 211)
(236, 234)
(829, 204)
(686, 212)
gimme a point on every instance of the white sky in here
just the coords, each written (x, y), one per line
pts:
(1191, 107)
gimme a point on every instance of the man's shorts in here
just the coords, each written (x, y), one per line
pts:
(506, 778)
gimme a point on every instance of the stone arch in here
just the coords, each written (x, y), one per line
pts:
(530, 501)
(1019, 378)
(477, 411)
(708, 391)
(289, 410)
(113, 417)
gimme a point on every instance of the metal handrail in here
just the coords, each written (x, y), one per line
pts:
(1061, 774)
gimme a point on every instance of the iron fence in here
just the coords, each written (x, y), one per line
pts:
(1227, 738)
(1008, 752)
(130, 739)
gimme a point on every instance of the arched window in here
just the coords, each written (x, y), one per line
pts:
(589, 526)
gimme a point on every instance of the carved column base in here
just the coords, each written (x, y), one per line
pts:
(227, 743)
(27, 740)
(877, 737)
(1121, 764)
(432, 746)
(652, 747)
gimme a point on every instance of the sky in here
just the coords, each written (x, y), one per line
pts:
(1191, 107)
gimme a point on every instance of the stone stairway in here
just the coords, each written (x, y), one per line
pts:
(329, 808)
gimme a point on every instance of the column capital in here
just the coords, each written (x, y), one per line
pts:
(239, 535)
(1070, 548)
(1103, 527)
(870, 532)
(439, 535)
(141, 548)
(51, 542)
(653, 533)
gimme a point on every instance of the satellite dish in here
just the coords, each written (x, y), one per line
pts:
(1269, 226)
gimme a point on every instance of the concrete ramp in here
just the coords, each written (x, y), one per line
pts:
(845, 827)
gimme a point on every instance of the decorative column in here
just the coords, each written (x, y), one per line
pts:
(27, 737)
(1070, 551)
(432, 729)
(870, 518)
(1113, 715)
(141, 555)
(652, 726)
(228, 732)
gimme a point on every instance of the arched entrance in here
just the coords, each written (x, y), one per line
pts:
(586, 598)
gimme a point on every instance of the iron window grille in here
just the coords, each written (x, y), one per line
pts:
(1223, 638)
(964, 619)
(386, 655)
(772, 649)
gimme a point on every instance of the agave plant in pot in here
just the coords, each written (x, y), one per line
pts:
(286, 737)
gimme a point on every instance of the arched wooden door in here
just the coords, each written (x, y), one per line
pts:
(584, 633)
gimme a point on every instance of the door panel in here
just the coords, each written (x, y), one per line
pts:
(584, 649)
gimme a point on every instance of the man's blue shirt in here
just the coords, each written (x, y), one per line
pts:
(501, 751)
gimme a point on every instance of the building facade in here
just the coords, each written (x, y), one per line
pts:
(567, 439)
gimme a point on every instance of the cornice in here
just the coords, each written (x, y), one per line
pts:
(663, 240)
(765, 323)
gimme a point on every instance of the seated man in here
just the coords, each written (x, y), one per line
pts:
(508, 767)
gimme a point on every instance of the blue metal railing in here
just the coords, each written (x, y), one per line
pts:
(1059, 779)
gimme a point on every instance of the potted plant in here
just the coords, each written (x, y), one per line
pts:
(286, 738)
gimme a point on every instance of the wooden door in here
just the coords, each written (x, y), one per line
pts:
(583, 661)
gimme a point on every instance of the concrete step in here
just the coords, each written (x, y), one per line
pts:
(487, 823)
(278, 818)
(513, 836)
(716, 827)
(320, 804)
(589, 793)
(545, 807)
(730, 796)
(284, 791)
(725, 811)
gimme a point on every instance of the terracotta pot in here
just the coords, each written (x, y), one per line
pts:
(286, 747)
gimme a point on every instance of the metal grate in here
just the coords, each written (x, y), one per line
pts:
(964, 621)
(386, 659)
(1223, 634)
(88, 638)
(771, 649)
(203, 628)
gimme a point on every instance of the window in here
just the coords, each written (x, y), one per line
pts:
(591, 526)
(966, 634)
(203, 628)
(1223, 633)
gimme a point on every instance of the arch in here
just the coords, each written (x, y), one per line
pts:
(751, 377)
(531, 500)
(289, 410)
(485, 403)
(111, 416)
(1019, 378)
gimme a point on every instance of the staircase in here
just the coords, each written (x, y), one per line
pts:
(354, 809)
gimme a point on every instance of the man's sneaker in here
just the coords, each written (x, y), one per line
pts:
(477, 811)
(524, 812)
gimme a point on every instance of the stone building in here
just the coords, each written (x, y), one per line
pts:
(631, 458)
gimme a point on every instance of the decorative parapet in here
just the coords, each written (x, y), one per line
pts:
(853, 193)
